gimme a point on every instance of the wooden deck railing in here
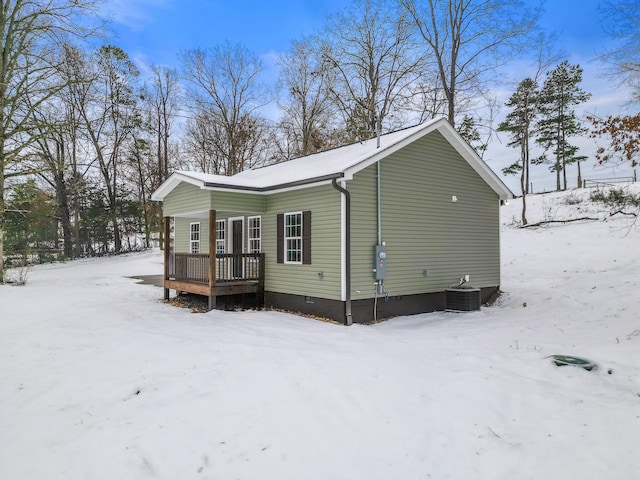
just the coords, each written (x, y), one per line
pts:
(230, 267)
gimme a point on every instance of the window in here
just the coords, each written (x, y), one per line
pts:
(294, 237)
(254, 234)
(194, 239)
(221, 236)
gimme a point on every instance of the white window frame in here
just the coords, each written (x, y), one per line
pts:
(221, 240)
(251, 229)
(292, 238)
(194, 240)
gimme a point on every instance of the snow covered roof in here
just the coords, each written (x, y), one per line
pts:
(342, 162)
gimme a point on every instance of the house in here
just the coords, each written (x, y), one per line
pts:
(388, 226)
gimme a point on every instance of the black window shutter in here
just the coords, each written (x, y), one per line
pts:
(306, 237)
(280, 242)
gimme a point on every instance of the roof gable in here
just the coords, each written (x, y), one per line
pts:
(342, 162)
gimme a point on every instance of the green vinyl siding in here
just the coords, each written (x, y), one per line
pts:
(234, 204)
(186, 199)
(182, 234)
(363, 232)
(188, 203)
(325, 206)
(422, 227)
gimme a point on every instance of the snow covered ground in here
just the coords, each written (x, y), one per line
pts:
(101, 380)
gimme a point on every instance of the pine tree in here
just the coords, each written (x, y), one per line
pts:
(519, 123)
(468, 129)
(559, 94)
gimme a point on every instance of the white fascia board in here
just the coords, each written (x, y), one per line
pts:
(268, 192)
(177, 178)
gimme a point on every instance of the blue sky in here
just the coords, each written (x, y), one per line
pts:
(155, 31)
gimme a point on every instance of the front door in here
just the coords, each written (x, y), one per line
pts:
(236, 247)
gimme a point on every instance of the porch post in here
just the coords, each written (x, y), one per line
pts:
(167, 253)
(260, 302)
(212, 258)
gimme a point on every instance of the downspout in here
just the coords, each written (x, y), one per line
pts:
(347, 199)
(378, 132)
(379, 212)
(380, 285)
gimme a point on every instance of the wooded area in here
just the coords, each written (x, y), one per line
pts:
(85, 137)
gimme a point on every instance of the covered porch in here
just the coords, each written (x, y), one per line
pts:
(218, 276)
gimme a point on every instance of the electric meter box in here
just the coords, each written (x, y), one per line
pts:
(380, 262)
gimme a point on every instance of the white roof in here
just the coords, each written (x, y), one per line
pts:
(340, 162)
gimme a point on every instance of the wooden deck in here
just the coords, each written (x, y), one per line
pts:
(224, 275)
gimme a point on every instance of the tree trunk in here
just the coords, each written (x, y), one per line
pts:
(523, 180)
(579, 176)
(527, 180)
(76, 224)
(64, 214)
(1, 212)
(145, 207)
(117, 240)
(451, 110)
(165, 147)
(113, 211)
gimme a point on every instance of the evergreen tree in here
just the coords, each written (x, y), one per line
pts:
(559, 94)
(519, 123)
(468, 129)
(29, 32)
(31, 226)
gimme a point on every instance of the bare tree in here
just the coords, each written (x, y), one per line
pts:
(469, 39)
(54, 156)
(428, 99)
(622, 22)
(103, 95)
(307, 108)
(142, 173)
(51, 161)
(162, 96)
(370, 51)
(199, 144)
(225, 93)
(30, 30)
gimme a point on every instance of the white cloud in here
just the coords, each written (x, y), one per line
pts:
(134, 14)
